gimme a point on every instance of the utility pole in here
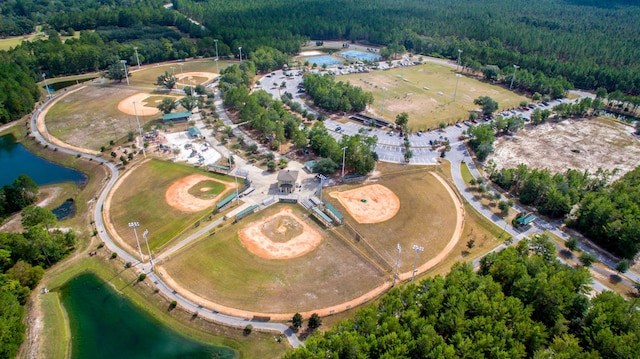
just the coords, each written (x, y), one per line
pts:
(240, 49)
(124, 66)
(137, 57)
(459, 62)
(344, 153)
(135, 225)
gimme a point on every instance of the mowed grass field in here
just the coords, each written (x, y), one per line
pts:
(148, 75)
(90, 118)
(12, 42)
(426, 218)
(426, 92)
(141, 198)
(219, 268)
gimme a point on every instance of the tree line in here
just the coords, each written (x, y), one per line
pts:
(18, 195)
(522, 303)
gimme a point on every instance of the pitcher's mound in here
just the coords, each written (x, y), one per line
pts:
(369, 204)
(280, 236)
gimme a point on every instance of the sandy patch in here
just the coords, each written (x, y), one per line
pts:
(178, 197)
(586, 144)
(256, 239)
(379, 205)
(310, 53)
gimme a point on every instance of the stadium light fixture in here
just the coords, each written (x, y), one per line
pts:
(137, 57)
(344, 153)
(395, 275)
(135, 109)
(459, 62)
(418, 250)
(240, 49)
(126, 74)
(144, 235)
(217, 57)
(135, 225)
(515, 68)
(456, 90)
(46, 87)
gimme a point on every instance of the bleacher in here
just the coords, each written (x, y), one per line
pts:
(306, 203)
(368, 120)
(321, 216)
(333, 213)
(315, 200)
(246, 212)
(225, 201)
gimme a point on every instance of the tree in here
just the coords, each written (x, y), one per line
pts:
(116, 70)
(34, 215)
(167, 105)
(314, 321)
(325, 166)
(442, 125)
(271, 166)
(402, 119)
(504, 207)
(142, 277)
(622, 266)
(188, 90)
(587, 259)
(491, 72)
(189, 102)
(297, 320)
(166, 80)
(26, 274)
(489, 105)
(572, 244)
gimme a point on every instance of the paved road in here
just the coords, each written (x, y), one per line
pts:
(161, 285)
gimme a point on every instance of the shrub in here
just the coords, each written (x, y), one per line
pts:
(142, 277)
(114, 255)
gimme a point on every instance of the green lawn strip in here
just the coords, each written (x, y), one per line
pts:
(55, 331)
(466, 174)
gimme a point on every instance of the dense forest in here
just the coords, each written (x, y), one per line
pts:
(589, 45)
(523, 303)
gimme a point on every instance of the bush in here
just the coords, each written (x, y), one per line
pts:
(128, 265)
(142, 277)
(173, 305)
(248, 329)
(114, 255)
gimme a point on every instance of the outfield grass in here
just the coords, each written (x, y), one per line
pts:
(147, 76)
(426, 218)
(141, 198)
(425, 92)
(11, 42)
(220, 269)
(89, 118)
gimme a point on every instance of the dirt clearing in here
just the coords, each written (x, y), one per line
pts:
(586, 144)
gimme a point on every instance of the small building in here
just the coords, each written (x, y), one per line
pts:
(287, 181)
(526, 220)
(176, 117)
(194, 132)
(308, 166)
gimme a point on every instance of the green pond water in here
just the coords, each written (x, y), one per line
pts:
(104, 324)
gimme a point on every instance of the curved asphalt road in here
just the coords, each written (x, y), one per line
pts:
(161, 285)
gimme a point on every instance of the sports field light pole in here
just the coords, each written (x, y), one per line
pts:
(135, 225)
(181, 69)
(137, 57)
(384, 89)
(456, 90)
(459, 62)
(395, 275)
(135, 109)
(418, 249)
(344, 153)
(46, 87)
(124, 66)
(236, 177)
(144, 235)
(515, 68)
(240, 49)
(217, 58)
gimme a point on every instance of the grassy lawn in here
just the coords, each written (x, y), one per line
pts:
(90, 118)
(425, 218)
(425, 92)
(220, 269)
(141, 197)
(12, 42)
(466, 174)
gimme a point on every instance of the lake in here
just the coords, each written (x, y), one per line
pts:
(104, 324)
(15, 159)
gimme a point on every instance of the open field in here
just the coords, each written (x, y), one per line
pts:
(140, 197)
(13, 41)
(426, 218)
(89, 118)
(407, 92)
(586, 144)
(222, 270)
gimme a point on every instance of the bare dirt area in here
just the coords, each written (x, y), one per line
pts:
(126, 106)
(369, 204)
(280, 236)
(178, 196)
(584, 144)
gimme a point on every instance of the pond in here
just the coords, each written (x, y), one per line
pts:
(15, 159)
(104, 324)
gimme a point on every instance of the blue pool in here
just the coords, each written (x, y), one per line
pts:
(362, 56)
